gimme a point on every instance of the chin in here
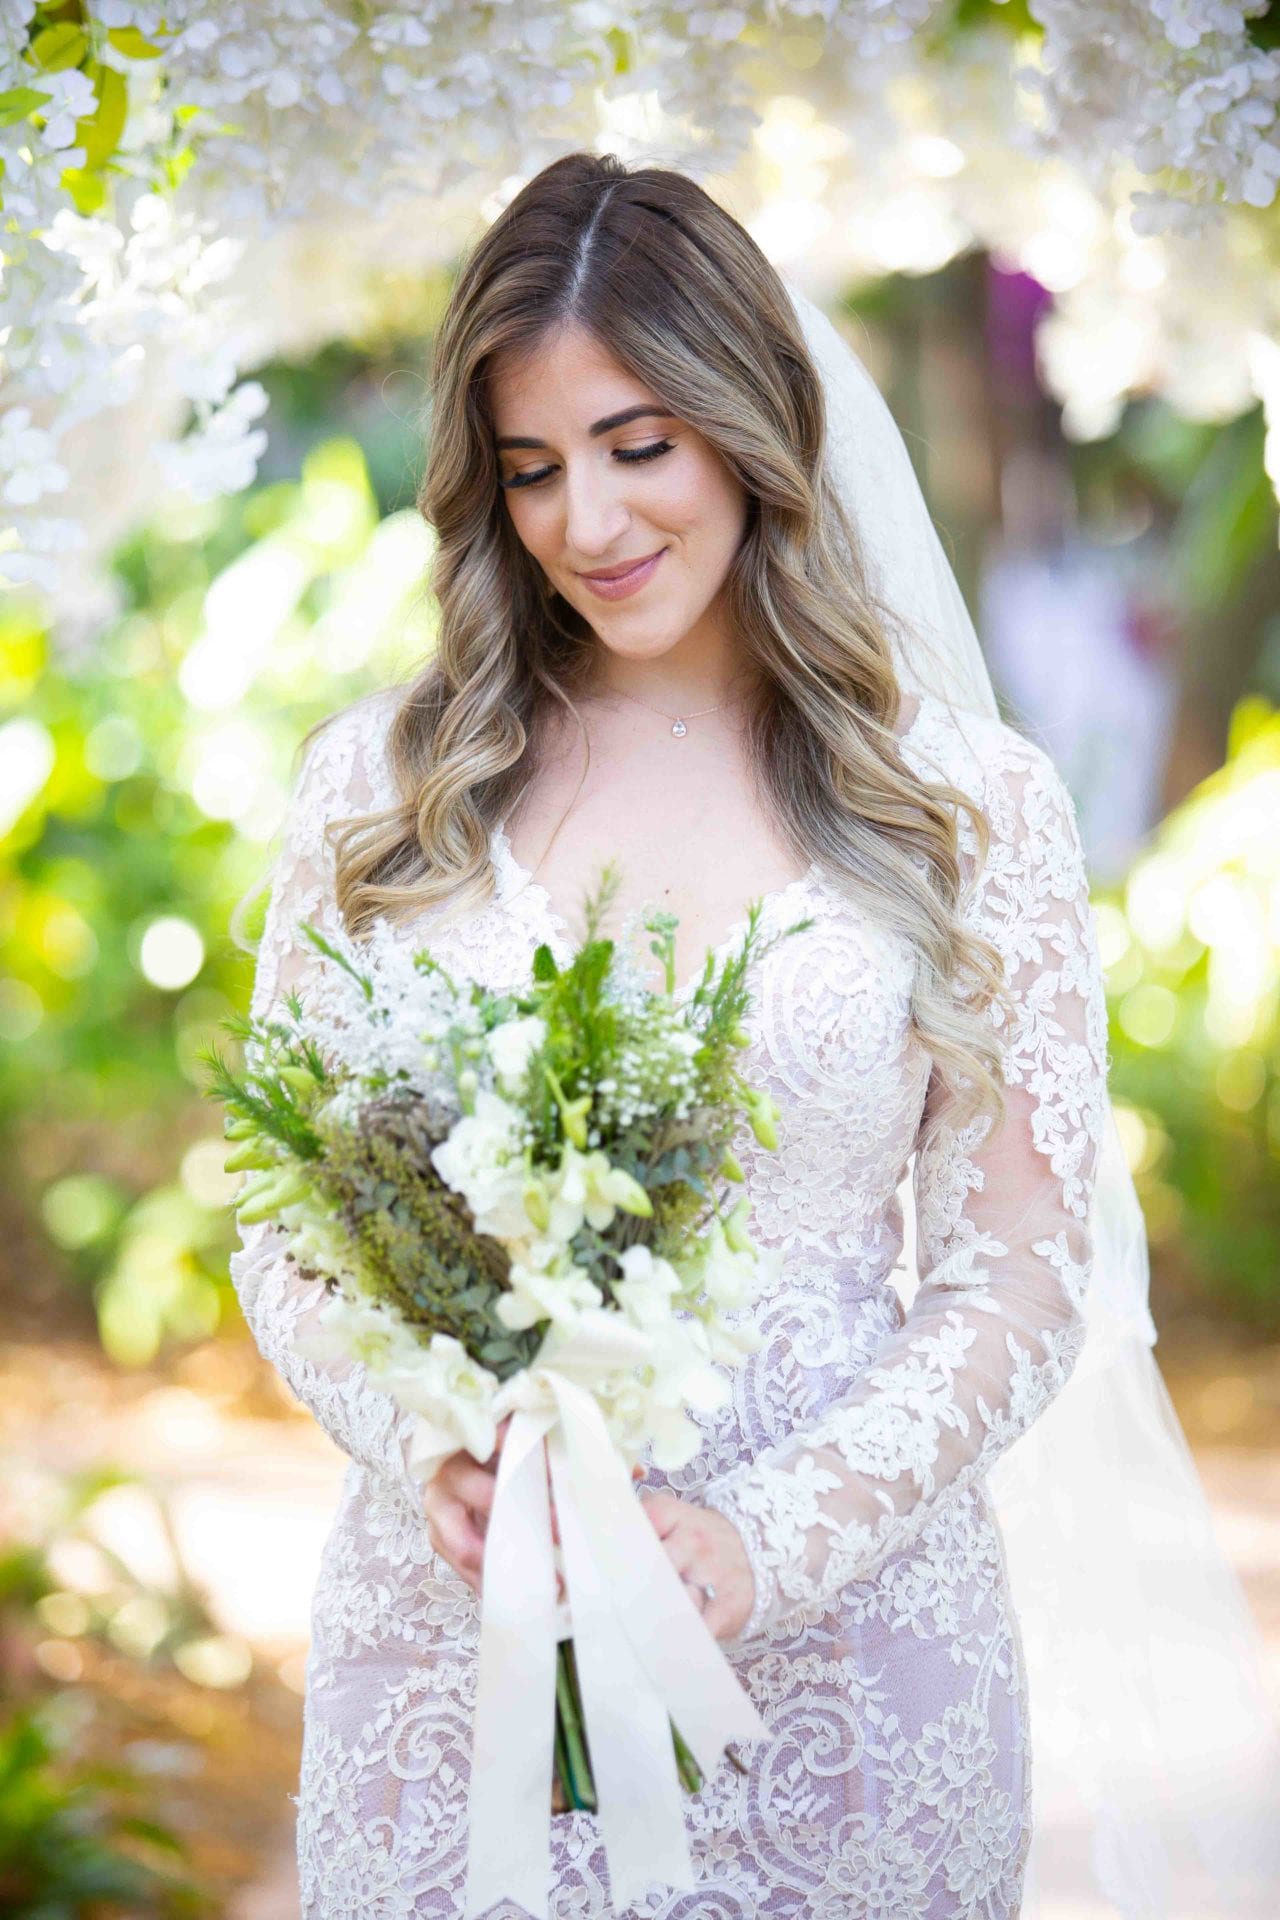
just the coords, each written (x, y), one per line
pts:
(640, 646)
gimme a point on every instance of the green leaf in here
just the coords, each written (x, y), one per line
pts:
(99, 132)
(18, 102)
(57, 48)
(88, 190)
(131, 43)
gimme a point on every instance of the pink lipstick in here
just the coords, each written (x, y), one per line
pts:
(622, 584)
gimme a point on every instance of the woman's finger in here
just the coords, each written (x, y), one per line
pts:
(663, 1510)
(472, 1486)
(453, 1532)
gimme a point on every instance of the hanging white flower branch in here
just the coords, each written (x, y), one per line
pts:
(185, 188)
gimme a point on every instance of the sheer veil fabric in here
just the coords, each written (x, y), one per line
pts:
(1155, 1757)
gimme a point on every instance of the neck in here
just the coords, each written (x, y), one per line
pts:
(669, 685)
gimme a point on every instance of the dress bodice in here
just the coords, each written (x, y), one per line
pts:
(829, 1022)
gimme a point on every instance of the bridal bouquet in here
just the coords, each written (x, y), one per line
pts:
(516, 1203)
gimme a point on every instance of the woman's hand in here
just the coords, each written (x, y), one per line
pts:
(456, 1503)
(704, 1546)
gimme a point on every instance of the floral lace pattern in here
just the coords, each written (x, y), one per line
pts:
(895, 1781)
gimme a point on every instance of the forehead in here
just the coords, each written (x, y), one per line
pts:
(567, 368)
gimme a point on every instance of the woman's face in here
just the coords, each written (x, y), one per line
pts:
(587, 491)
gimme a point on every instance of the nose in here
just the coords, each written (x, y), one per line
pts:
(596, 513)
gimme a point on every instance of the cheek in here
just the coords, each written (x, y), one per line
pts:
(707, 508)
(530, 520)
(716, 518)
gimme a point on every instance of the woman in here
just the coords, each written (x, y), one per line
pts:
(656, 641)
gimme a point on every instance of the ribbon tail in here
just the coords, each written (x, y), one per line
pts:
(683, 1661)
(509, 1841)
(638, 1791)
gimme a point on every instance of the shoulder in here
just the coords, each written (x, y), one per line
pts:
(1035, 851)
(1010, 776)
(973, 749)
(344, 764)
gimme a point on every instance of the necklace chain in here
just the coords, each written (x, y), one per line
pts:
(678, 727)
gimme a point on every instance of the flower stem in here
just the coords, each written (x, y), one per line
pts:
(573, 1760)
(686, 1766)
(580, 1785)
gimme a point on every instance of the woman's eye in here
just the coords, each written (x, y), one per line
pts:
(628, 455)
(644, 453)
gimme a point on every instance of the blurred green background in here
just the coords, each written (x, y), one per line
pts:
(142, 774)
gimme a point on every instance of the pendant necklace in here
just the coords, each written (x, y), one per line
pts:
(678, 727)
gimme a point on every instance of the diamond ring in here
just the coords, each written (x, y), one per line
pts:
(708, 1591)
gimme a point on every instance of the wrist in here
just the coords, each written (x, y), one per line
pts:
(765, 1586)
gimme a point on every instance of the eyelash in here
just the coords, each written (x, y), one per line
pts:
(627, 454)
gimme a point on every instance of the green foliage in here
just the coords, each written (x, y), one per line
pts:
(140, 781)
(62, 37)
(1192, 943)
(70, 1844)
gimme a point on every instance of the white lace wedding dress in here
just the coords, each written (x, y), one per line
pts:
(896, 1780)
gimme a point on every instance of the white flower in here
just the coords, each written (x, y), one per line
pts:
(729, 1279)
(453, 1395)
(587, 1187)
(26, 460)
(482, 1158)
(646, 1292)
(512, 1045)
(560, 1295)
(353, 1329)
(320, 1243)
(678, 1375)
(73, 99)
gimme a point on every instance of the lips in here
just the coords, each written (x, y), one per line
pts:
(621, 570)
(617, 586)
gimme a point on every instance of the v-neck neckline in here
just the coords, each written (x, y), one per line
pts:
(518, 883)
(557, 930)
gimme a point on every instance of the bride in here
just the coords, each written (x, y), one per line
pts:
(669, 631)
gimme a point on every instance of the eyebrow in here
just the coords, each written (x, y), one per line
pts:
(610, 421)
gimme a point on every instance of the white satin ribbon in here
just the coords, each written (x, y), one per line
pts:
(642, 1650)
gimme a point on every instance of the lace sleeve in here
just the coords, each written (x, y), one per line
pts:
(337, 779)
(997, 1323)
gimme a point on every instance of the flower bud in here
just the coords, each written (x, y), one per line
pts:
(249, 1154)
(628, 1193)
(762, 1111)
(735, 1227)
(536, 1205)
(574, 1115)
(271, 1197)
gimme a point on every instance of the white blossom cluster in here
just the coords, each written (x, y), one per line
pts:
(1173, 84)
(328, 143)
(921, 170)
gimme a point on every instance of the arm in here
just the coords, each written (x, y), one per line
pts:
(337, 779)
(1004, 1249)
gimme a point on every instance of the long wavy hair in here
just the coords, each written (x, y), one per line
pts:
(681, 296)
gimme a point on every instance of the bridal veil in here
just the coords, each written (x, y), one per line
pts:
(1155, 1757)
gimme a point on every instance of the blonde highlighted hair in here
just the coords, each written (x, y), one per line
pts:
(679, 294)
